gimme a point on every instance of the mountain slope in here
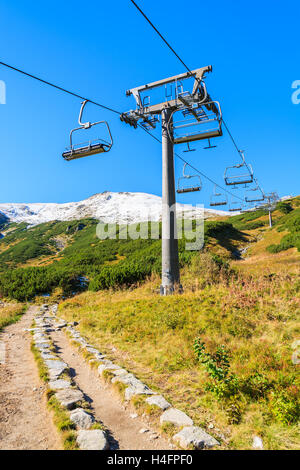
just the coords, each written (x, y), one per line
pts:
(108, 206)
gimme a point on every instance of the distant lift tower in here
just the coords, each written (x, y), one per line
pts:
(186, 116)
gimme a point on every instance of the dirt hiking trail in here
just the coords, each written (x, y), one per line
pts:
(25, 423)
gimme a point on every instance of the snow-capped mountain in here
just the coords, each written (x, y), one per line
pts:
(108, 207)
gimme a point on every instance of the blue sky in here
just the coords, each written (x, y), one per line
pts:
(100, 49)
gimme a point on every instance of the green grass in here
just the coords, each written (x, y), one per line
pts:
(289, 222)
(43, 371)
(254, 317)
(62, 422)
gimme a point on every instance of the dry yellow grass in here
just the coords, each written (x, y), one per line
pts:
(10, 313)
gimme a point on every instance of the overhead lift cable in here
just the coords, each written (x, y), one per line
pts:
(59, 88)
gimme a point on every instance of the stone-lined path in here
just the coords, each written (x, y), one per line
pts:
(124, 432)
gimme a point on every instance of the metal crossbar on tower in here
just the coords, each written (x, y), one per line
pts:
(199, 112)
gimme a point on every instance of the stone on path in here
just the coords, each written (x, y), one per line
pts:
(177, 417)
(119, 371)
(108, 366)
(69, 397)
(158, 401)
(56, 368)
(128, 379)
(43, 345)
(195, 437)
(92, 350)
(59, 384)
(82, 419)
(52, 364)
(92, 440)
(138, 390)
(59, 326)
(143, 430)
(47, 355)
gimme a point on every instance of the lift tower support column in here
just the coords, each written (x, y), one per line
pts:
(195, 102)
(170, 261)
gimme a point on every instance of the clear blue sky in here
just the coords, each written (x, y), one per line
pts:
(100, 49)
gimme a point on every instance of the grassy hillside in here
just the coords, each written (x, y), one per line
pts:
(68, 256)
(243, 382)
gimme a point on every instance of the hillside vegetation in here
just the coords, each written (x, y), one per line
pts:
(68, 257)
(224, 351)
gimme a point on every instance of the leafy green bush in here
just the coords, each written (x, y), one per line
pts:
(285, 407)
(256, 386)
(217, 365)
(290, 222)
(284, 207)
(243, 221)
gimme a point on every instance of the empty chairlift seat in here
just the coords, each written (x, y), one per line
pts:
(199, 123)
(235, 206)
(91, 147)
(240, 174)
(189, 183)
(255, 195)
(218, 199)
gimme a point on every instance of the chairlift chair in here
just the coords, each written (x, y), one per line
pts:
(200, 122)
(245, 177)
(235, 206)
(257, 198)
(91, 147)
(191, 188)
(218, 199)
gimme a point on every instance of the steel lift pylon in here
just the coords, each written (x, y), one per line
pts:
(201, 118)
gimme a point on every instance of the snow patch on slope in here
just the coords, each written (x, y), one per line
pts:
(108, 207)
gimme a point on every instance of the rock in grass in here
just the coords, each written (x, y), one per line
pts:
(99, 357)
(76, 335)
(195, 437)
(128, 379)
(176, 417)
(138, 390)
(82, 419)
(257, 443)
(107, 366)
(119, 372)
(92, 440)
(59, 384)
(59, 326)
(159, 401)
(69, 397)
(92, 350)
